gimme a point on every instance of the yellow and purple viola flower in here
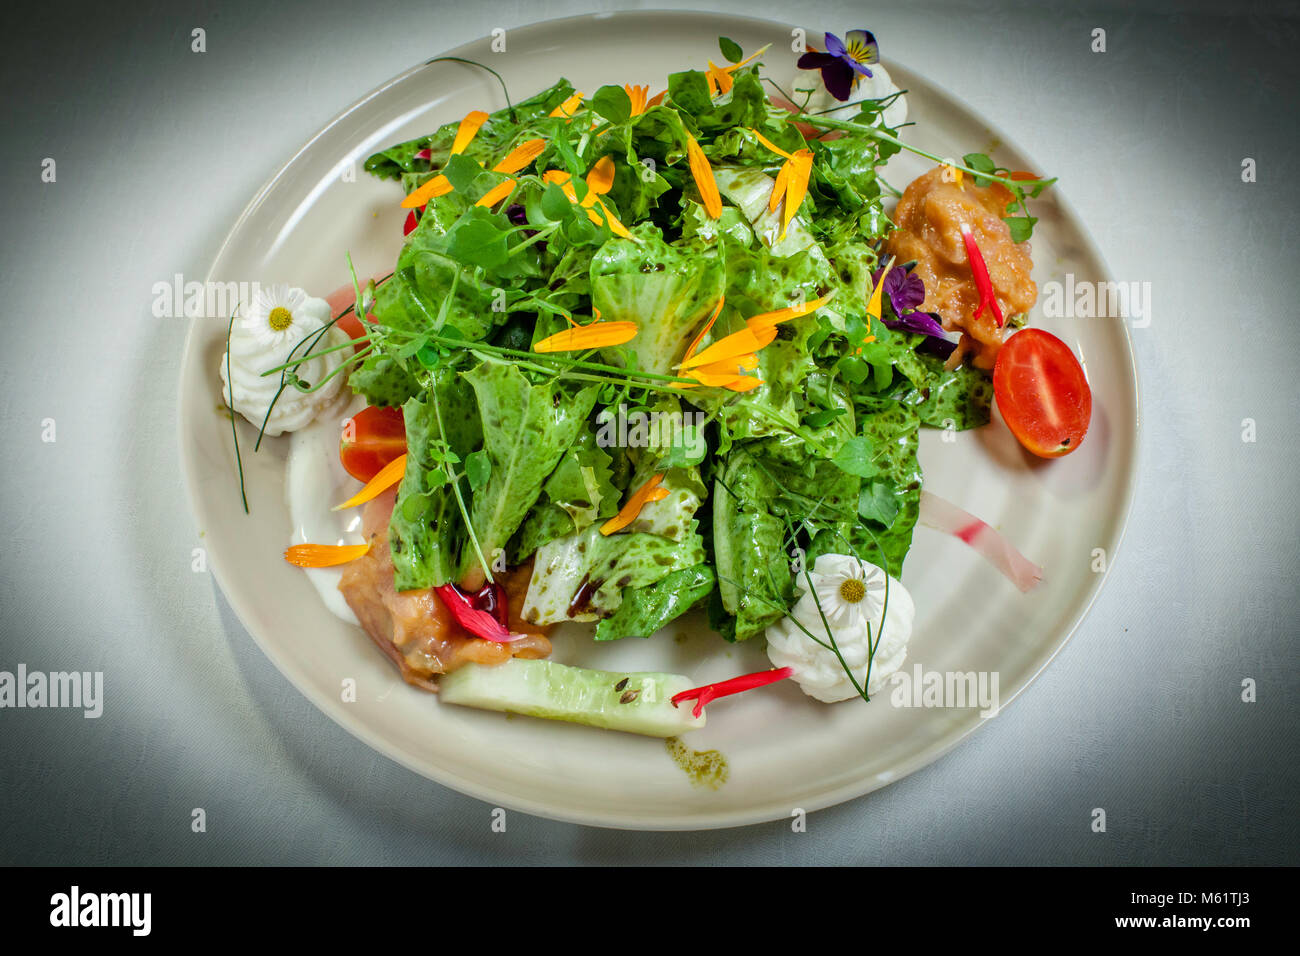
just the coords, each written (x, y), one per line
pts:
(844, 61)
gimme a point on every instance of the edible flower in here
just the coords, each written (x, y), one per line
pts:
(703, 175)
(594, 335)
(520, 156)
(847, 632)
(906, 292)
(599, 181)
(324, 555)
(791, 180)
(710, 692)
(981, 273)
(388, 476)
(641, 99)
(279, 316)
(650, 491)
(569, 106)
(843, 63)
(439, 185)
(497, 193)
(477, 622)
(719, 77)
(763, 319)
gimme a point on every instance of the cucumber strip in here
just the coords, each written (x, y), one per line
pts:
(637, 703)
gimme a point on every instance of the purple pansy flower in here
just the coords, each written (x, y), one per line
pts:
(905, 291)
(842, 63)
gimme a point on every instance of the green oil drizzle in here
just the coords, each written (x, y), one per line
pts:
(705, 768)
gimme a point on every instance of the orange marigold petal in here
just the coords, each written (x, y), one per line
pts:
(497, 193)
(744, 383)
(601, 178)
(769, 144)
(615, 226)
(796, 186)
(695, 342)
(784, 315)
(779, 187)
(520, 156)
(324, 555)
(720, 80)
(569, 106)
(876, 301)
(759, 52)
(467, 130)
(388, 476)
(647, 493)
(431, 189)
(735, 344)
(637, 94)
(593, 336)
(657, 99)
(704, 181)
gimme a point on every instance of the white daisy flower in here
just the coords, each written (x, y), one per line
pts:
(841, 583)
(871, 639)
(280, 316)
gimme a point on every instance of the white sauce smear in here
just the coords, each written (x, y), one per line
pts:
(314, 483)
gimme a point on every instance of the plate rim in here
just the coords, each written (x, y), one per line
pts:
(708, 819)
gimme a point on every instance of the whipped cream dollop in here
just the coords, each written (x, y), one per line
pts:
(277, 321)
(874, 87)
(851, 594)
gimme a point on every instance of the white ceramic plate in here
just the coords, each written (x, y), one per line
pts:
(783, 750)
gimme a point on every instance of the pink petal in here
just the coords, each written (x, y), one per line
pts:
(943, 515)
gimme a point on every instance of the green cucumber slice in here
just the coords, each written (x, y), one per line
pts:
(638, 703)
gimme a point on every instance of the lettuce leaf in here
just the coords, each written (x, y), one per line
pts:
(668, 290)
(526, 430)
(646, 610)
(426, 532)
(582, 577)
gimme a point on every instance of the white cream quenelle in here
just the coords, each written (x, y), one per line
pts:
(277, 320)
(874, 87)
(851, 594)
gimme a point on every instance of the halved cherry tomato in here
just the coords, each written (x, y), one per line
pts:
(1042, 393)
(372, 438)
(339, 300)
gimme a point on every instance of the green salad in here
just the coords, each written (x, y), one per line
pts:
(633, 225)
(645, 354)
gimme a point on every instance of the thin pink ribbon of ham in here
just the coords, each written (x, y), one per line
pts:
(943, 515)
